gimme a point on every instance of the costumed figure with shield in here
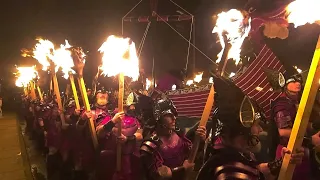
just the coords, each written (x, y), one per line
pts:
(236, 138)
(283, 113)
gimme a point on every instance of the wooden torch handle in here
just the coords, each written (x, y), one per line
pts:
(120, 109)
(74, 91)
(33, 92)
(57, 93)
(204, 119)
(40, 93)
(87, 108)
(303, 114)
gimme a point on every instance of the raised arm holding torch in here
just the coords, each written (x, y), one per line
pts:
(119, 58)
(44, 54)
(79, 62)
(295, 10)
(63, 59)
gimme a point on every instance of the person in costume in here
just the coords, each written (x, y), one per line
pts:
(283, 113)
(53, 128)
(84, 156)
(69, 136)
(39, 128)
(236, 138)
(91, 97)
(131, 134)
(141, 108)
(28, 114)
(164, 153)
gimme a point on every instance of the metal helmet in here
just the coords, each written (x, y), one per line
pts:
(294, 78)
(234, 112)
(132, 99)
(101, 90)
(163, 107)
(278, 81)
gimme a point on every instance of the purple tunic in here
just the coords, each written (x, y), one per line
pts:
(107, 163)
(84, 153)
(69, 134)
(164, 151)
(53, 127)
(284, 113)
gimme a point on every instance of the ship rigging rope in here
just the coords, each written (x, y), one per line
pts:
(129, 13)
(143, 39)
(187, 41)
(191, 30)
(190, 35)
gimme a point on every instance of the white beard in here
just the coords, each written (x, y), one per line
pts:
(101, 102)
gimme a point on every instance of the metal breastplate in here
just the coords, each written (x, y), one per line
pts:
(237, 170)
(228, 163)
(171, 151)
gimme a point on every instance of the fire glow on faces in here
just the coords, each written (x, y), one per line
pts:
(169, 121)
(102, 99)
(254, 142)
(294, 87)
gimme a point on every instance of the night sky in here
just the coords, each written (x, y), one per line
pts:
(88, 23)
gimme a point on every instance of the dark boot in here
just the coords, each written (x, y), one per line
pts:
(53, 166)
(66, 170)
(80, 175)
(36, 175)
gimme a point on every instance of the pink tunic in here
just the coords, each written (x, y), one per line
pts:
(107, 163)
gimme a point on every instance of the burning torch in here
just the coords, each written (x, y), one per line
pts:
(119, 58)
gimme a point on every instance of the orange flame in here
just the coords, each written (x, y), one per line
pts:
(198, 77)
(119, 55)
(189, 82)
(62, 59)
(42, 51)
(149, 83)
(301, 12)
(236, 26)
(25, 75)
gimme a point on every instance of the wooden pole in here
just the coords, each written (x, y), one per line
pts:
(303, 114)
(29, 90)
(153, 74)
(204, 119)
(40, 93)
(224, 67)
(74, 91)
(194, 49)
(33, 92)
(120, 109)
(57, 93)
(225, 58)
(25, 90)
(88, 109)
(51, 87)
(81, 93)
